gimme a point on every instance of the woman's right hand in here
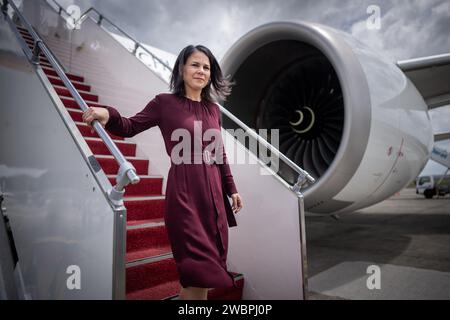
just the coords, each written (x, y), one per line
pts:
(94, 113)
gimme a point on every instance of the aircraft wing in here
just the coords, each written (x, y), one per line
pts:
(441, 136)
(431, 76)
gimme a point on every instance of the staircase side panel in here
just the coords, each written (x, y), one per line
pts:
(266, 244)
(62, 224)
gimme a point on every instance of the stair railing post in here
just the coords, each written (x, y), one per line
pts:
(36, 52)
(125, 175)
(5, 6)
(304, 257)
(100, 18)
(136, 47)
(302, 180)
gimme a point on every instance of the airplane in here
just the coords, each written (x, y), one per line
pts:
(355, 121)
(375, 135)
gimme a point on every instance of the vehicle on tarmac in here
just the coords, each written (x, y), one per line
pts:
(431, 185)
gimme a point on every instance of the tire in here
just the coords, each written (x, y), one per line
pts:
(428, 194)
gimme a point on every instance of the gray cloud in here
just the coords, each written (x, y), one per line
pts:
(414, 29)
(408, 28)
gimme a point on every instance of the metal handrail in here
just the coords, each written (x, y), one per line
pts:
(61, 9)
(303, 177)
(137, 45)
(127, 172)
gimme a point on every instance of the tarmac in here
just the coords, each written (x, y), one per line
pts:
(396, 249)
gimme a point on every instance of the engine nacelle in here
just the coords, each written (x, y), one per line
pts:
(348, 116)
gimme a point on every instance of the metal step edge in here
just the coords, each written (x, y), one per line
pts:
(146, 260)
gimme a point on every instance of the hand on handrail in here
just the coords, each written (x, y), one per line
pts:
(95, 113)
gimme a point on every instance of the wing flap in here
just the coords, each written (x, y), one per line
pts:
(431, 76)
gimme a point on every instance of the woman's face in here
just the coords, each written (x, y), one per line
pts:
(196, 71)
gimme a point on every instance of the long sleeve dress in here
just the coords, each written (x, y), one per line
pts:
(197, 209)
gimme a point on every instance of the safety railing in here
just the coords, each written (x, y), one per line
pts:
(303, 176)
(127, 172)
(100, 19)
(137, 45)
(61, 10)
(137, 49)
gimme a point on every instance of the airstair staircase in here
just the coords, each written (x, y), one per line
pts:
(118, 259)
(150, 268)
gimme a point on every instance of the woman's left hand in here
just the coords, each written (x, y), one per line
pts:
(237, 202)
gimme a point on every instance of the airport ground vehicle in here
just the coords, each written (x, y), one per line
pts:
(431, 185)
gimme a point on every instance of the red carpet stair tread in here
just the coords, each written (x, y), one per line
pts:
(164, 283)
(150, 269)
(146, 242)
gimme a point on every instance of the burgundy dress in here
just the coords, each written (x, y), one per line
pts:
(197, 206)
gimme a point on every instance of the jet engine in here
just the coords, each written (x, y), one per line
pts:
(345, 113)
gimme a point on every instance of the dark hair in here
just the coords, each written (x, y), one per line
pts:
(221, 85)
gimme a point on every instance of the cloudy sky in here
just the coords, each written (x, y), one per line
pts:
(408, 28)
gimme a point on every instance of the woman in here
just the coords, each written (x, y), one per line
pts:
(197, 207)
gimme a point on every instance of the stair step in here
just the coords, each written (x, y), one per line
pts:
(74, 77)
(26, 35)
(70, 102)
(98, 147)
(159, 280)
(30, 44)
(63, 91)
(86, 132)
(98, 139)
(146, 187)
(133, 224)
(146, 242)
(63, 52)
(163, 291)
(57, 81)
(57, 52)
(28, 39)
(76, 114)
(44, 59)
(47, 65)
(110, 166)
(145, 209)
(163, 279)
(22, 28)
